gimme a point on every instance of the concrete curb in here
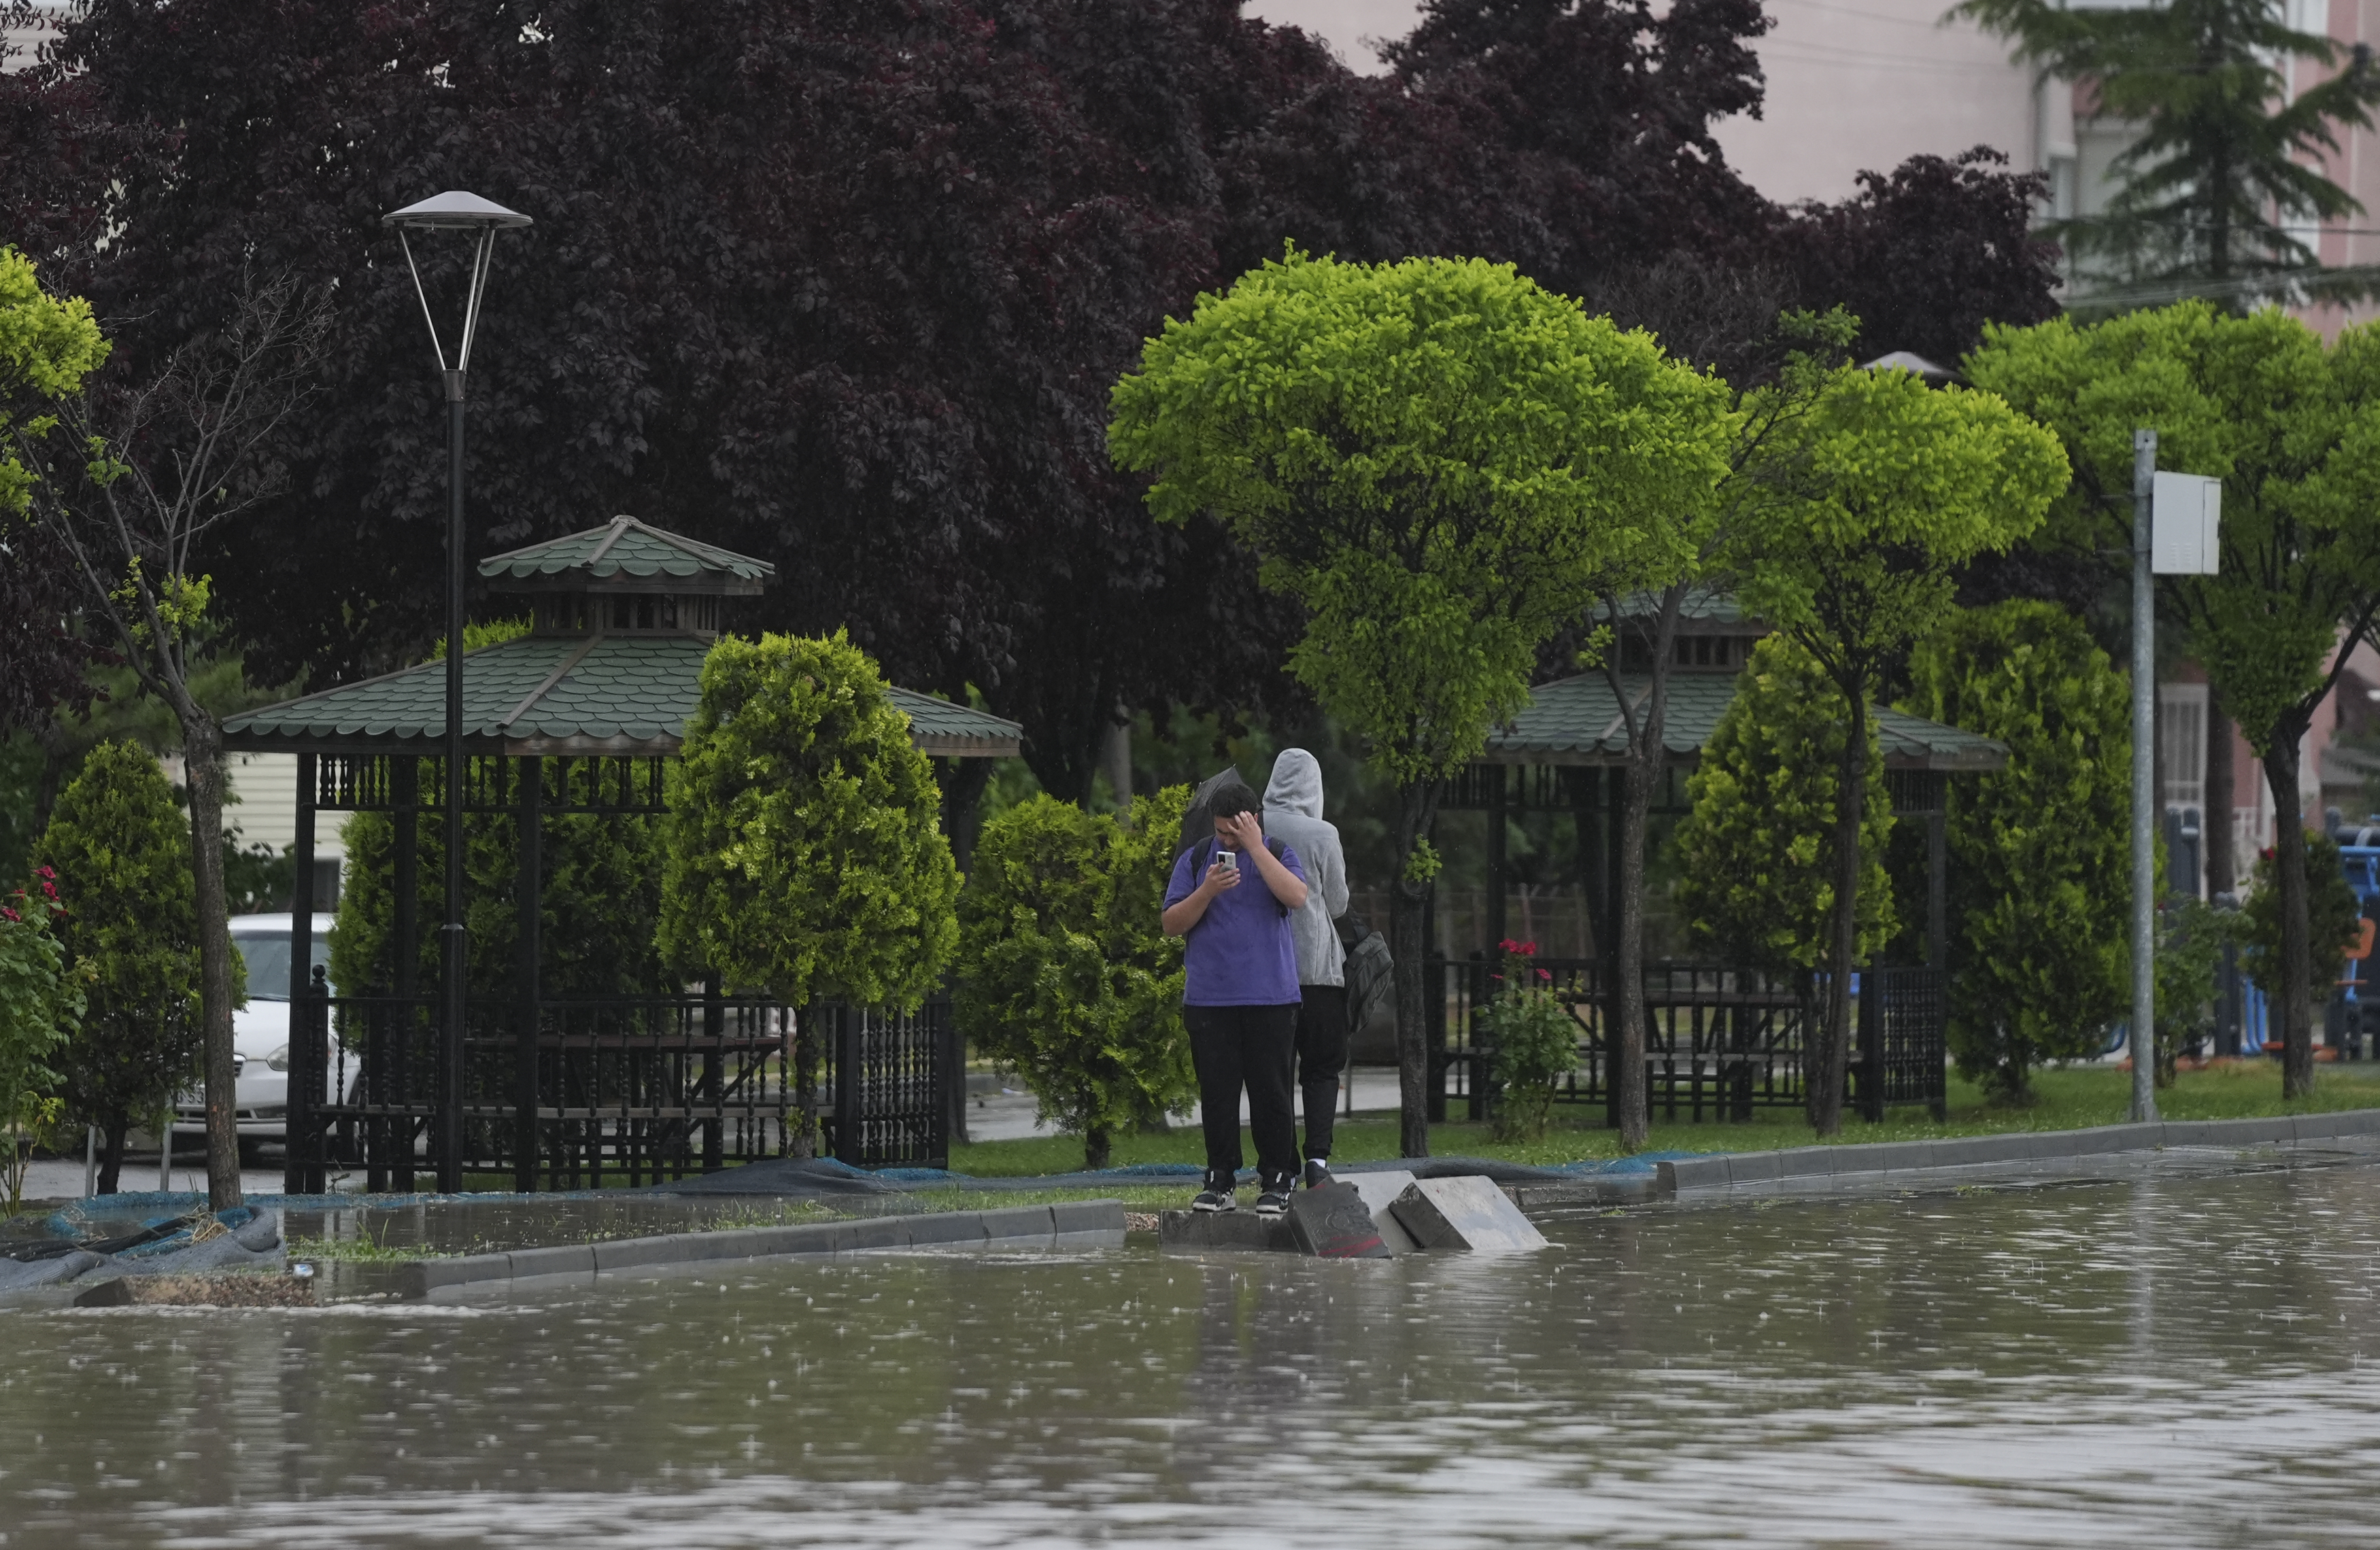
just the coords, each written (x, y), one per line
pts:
(1728, 1171)
(1086, 1224)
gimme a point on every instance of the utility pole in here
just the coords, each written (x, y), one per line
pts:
(2144, 879)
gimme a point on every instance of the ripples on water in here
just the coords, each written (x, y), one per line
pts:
(2174, 1363)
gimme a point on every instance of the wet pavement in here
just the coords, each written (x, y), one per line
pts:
(2174, 1359)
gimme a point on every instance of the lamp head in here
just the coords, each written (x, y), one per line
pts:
(454, 211)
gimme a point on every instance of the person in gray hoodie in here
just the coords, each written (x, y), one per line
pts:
(1292, 812)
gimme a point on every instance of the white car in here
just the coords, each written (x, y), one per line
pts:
(259, 1032)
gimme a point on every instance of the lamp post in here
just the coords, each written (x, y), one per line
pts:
(454, 211)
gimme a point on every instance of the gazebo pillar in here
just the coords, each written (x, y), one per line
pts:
(529, 881)
(1499, 871)
(404, 793)
(300, 1146)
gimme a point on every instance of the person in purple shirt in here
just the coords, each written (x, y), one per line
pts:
(1242, 997)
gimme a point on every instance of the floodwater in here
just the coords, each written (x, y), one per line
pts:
(2170, 1362)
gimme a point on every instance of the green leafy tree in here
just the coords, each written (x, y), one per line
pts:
(2041, 851)
(41, 1008)
(1872, 500)
(1756, 849)
(1444, 463)
(2293, 428)
(1063, 971)
(137, 491)
(2189, 940)
(2228, 157)
(2334, 914)
(121, 850)
(48, 345)
(804, 851)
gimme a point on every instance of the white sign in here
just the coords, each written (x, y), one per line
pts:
(2185, 511)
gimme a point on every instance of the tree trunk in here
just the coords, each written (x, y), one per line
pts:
(2222, 866)
(2292, 999)
(1418, 803)
(803, 1142)
(1639, 779)
(1095, 1148)
(202, 757)
(1831, 1060)
(111, 1152)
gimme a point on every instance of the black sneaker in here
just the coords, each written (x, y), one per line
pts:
(1317, 1172)
(1274, 1200)
(1217, 1195)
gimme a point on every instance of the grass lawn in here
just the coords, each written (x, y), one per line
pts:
(2069, 1099)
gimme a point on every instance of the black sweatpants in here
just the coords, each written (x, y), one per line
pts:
(1322, 1056)
(1255, 1047)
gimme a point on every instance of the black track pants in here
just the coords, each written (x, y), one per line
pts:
(1255, 1047)
(1322, 1056)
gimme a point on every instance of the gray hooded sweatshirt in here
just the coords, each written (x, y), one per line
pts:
(1293, 813)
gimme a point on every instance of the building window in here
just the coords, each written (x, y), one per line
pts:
(2181, 742)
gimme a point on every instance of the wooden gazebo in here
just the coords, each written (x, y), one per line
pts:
(1725, 1040)
(577, 716)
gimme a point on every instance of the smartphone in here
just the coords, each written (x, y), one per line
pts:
(1227, 860)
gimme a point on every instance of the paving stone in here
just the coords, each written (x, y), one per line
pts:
(1333, 1223)
(877, 1233)
(571, 1259)
(1466, 1213)
(1017, 1222)
(1202, 1231)
(1380, 1191)
(1086, 1215)
(462, 1269)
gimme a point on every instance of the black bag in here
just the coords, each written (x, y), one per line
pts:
(1371, 993)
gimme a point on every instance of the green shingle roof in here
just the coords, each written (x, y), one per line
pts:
(577, 694)
(626, 555)
(1577, 720)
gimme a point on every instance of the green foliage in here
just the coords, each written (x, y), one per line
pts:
(1063, 971)
(2191, 938)
(600, 891)
(2040, 880)
(1875, 494)
(1442, 461)
(805, 854)
(2290, 427)
(1535, 1040)
(41, 1008)
(1756, 848)
(121, 850)
(2232, 135)
(2334, 914)
(47, 346)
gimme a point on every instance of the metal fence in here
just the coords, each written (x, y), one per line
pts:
(1719, 1042)
(633, 1090)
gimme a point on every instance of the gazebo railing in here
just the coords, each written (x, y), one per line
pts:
(628, 1089)
(1719, 1042)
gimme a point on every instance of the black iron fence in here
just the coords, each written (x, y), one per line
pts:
(1719, 1042)
(633, 1090)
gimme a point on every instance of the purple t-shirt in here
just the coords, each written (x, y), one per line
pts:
(1241, 953)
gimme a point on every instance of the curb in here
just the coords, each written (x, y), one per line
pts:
(1084, 1224)
(1734, 1169)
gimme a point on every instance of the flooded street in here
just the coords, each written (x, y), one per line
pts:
(2182, 1361)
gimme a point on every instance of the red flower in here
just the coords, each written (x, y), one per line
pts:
(1545, 976)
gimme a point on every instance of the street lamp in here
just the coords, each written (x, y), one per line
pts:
(454, 211)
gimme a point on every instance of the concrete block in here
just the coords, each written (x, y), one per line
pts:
(1469, 1213)
(2099, 1141)
(1806, 1162)
(570, 1259)
(1752, 1168)
(1210, 1232)
(462, 1269)
(1380, 1191)
(806, 1238)
(878, 1232)
(2354, 1121)
(1017, 1222)
(1333, 1223)
(1883, 1156)
(1691, 1173)
(1968, 1151)
(627, 1253)
(2191, 1132)
(2254, 1132)
(944, 1228)
(1086, 1215)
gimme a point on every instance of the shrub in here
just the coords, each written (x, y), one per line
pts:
(2040, 883)
(2331, 908)
(41, 1006)
(803, 846)
(121, 850)
(1536, 1041)
(1758, 882)
(1065, 972)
